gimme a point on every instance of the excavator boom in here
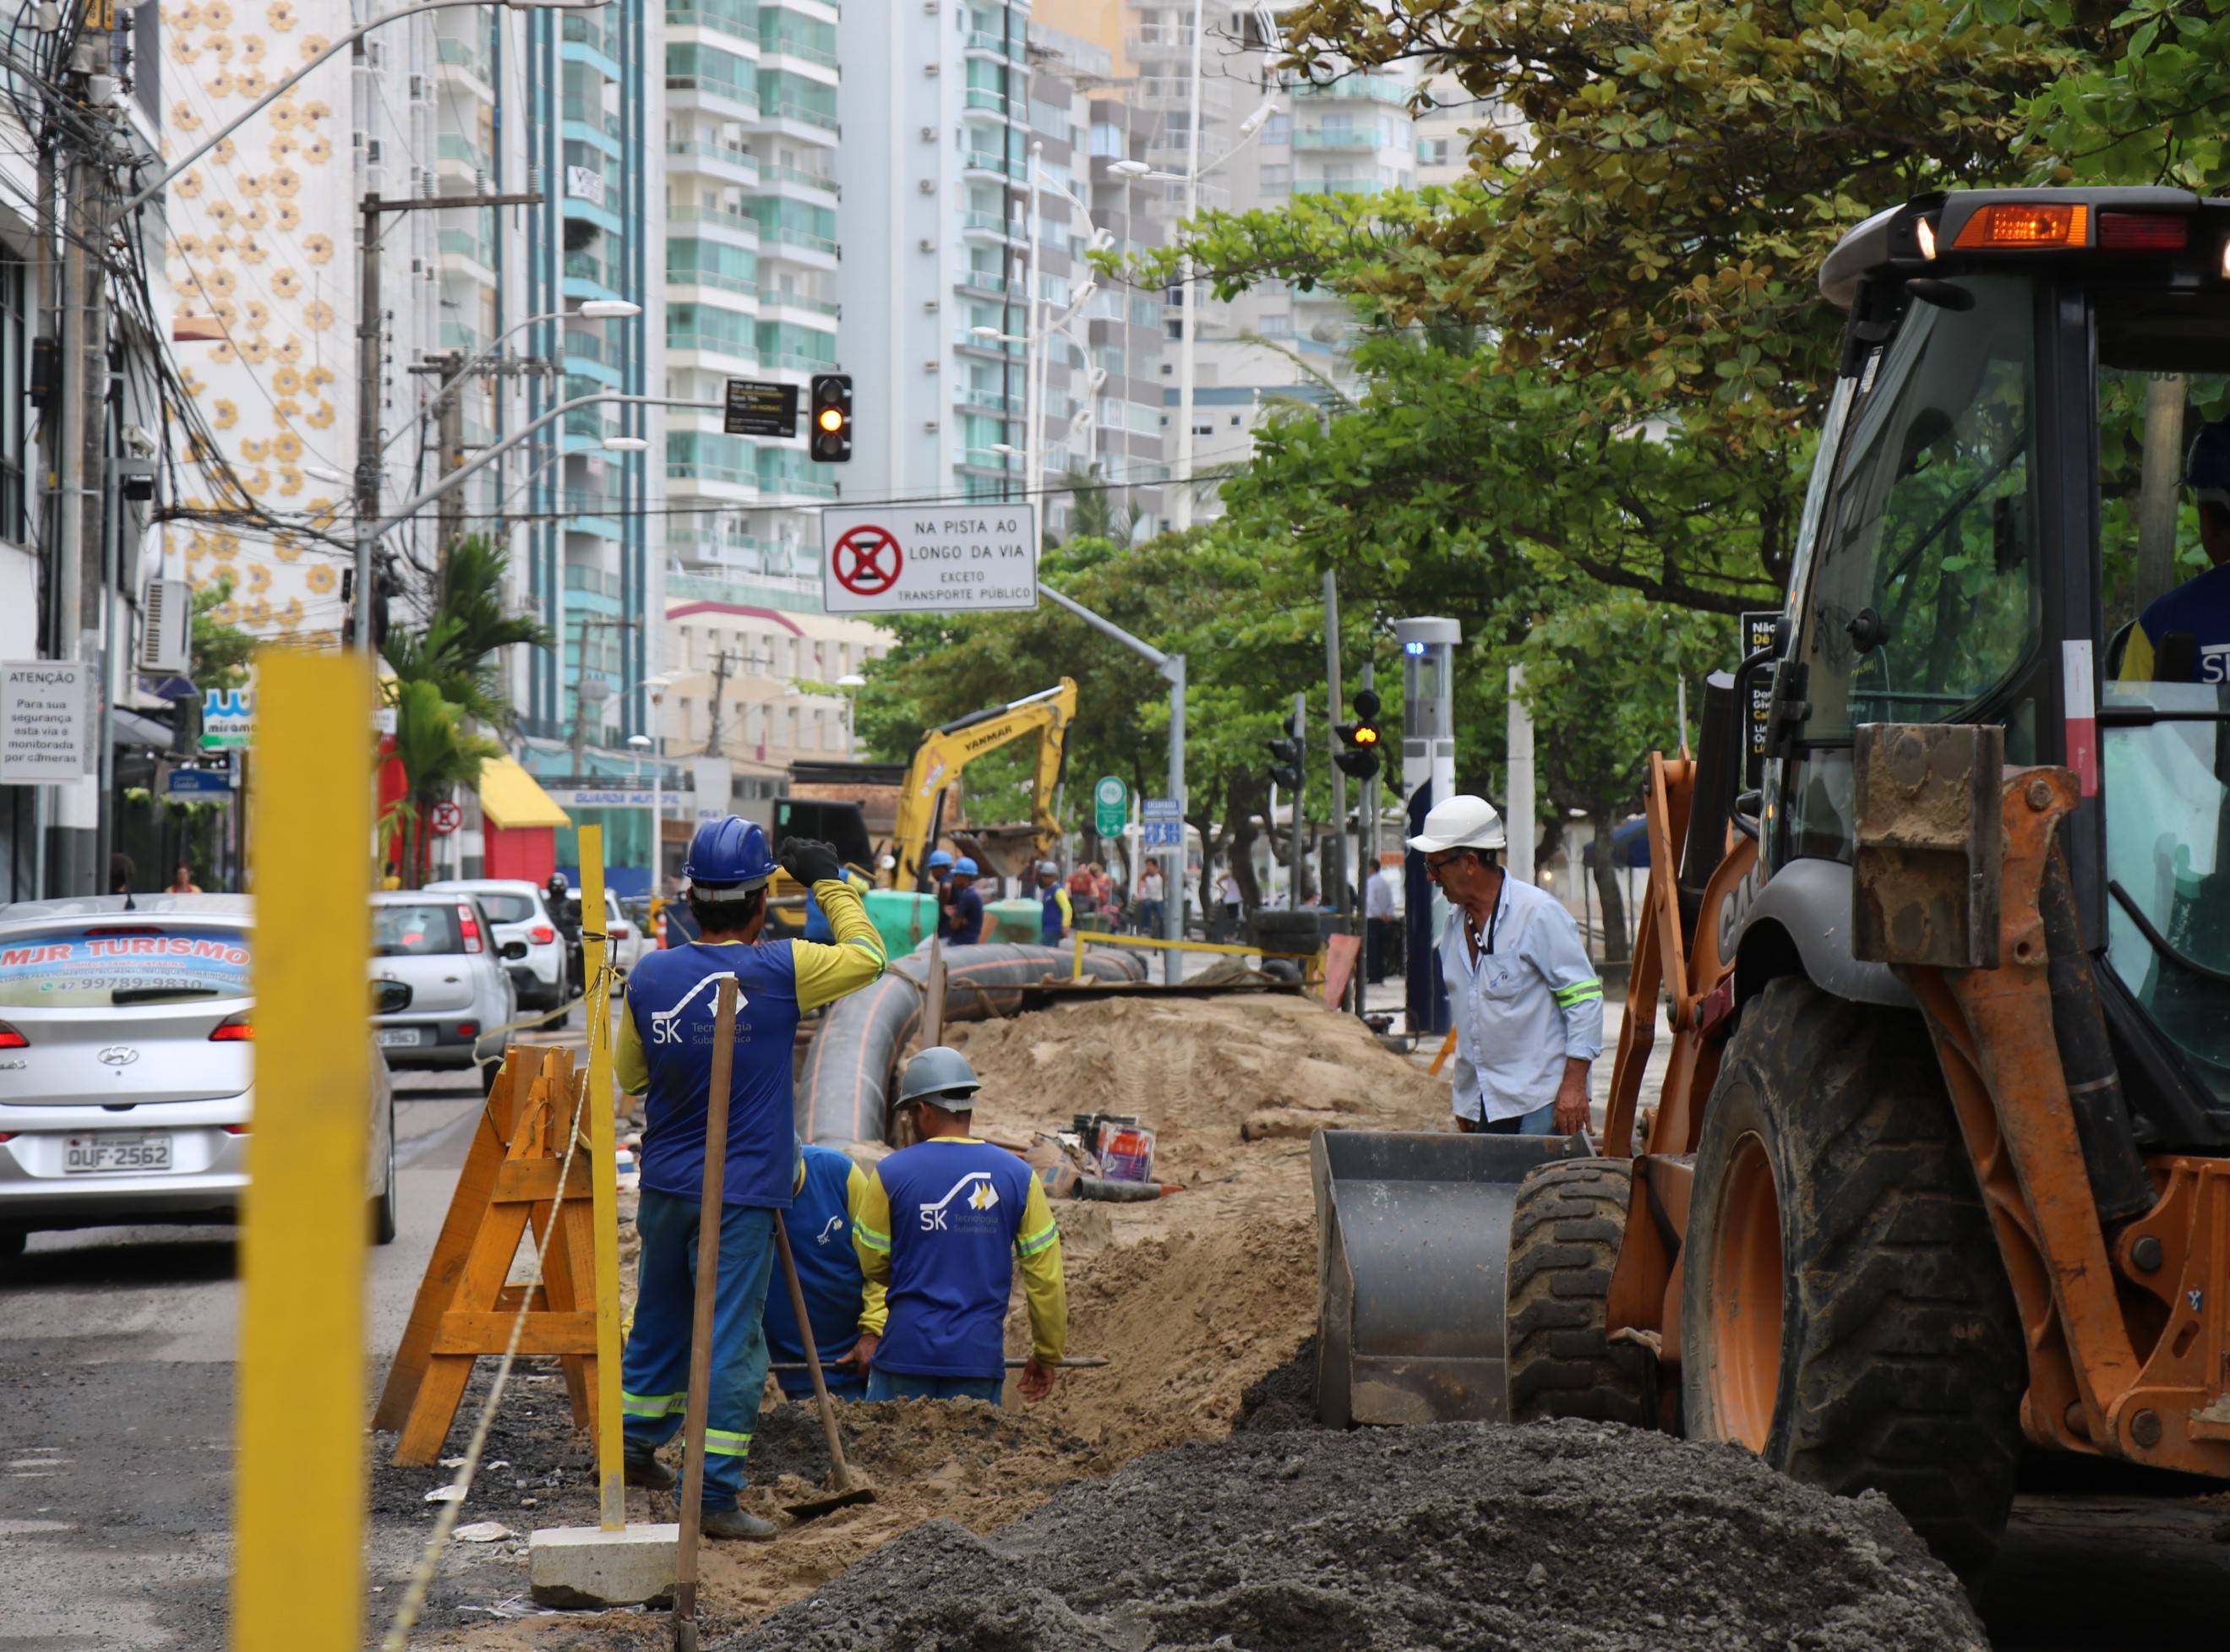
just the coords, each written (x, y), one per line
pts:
(948, 748)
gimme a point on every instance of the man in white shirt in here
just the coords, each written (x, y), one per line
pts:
(1381, 931)
(1527, 1006)
(1150, 900)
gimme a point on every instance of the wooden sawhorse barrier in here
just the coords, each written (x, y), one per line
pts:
(465, 1307)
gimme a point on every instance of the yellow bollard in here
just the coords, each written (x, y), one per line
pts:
(298, 1502)
(595, 948)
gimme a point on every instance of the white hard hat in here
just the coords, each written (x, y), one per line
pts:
(1460, 822)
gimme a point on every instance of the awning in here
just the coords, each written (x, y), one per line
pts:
(510, 797)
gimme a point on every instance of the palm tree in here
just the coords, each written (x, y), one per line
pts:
(438, 754)
(1093, 512)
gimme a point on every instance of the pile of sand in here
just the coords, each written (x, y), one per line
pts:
(1565, 1537)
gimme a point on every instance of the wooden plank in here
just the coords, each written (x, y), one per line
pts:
(466, 1331)
(531, 1181)
(443, 1385)
(438, 1288)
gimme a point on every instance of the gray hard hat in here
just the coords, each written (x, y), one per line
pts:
(941, 1077)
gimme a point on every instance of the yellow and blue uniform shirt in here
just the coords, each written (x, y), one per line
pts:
(941, 1225)
(1055, 916)
(841, 1301)
(2200, 606)
(670, 999)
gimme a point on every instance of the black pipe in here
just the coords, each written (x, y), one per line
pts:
(2119, 1182)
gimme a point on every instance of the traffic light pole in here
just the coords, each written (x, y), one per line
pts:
(1172, 666)
(1336, 873)
(1294, 854)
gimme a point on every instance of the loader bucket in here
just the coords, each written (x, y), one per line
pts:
(1413, 1242)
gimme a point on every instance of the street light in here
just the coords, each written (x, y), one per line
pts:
(627, 444)
(656, 742)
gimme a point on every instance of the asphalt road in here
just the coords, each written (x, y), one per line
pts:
(116, 1376)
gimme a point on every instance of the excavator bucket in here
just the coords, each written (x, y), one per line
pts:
(1413, 1241)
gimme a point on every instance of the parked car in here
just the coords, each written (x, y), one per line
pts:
(127, 1061)
(626, 942)
(442, 945)
(519, 912)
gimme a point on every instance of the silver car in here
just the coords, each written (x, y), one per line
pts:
(519, 913)
(128, 1066)
(442, 946)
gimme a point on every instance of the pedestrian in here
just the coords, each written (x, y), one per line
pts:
(566, 914)
(665, 1053)
(1150, 900)
(942, 1224)
(1527, 1007)
(845, 1310)
(963, 923)
(181, 881)
(1382, 934)
(1056, 915)
(1227, 897)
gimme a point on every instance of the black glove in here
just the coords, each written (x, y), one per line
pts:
(810, 860)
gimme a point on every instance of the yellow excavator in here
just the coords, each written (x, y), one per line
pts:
(947, 749)
(943, 753)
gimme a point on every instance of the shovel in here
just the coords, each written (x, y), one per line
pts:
(845, 1486)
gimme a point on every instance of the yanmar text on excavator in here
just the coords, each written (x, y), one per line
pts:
(1940, 1170)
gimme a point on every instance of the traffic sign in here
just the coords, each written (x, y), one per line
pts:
(756, 407)
(1162, 823)
(1110, 805)
(942, 559)
(198, 783)
(447, 817)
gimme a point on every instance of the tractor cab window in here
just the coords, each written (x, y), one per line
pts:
(1926, 603)
(2163, 381)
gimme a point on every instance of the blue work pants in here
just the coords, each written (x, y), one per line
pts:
(654, 1366)
(899, 1385)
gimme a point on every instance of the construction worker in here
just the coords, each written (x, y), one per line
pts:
(665, 1051)
(1056, 916)
(2199, 609)
(846, 1310)
(1527, 1007)
(963, 923)
(941, 1225)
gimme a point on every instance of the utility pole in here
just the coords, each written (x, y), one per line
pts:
(448, 443)
(1293, 851)
(720, 663)
(1336, 873)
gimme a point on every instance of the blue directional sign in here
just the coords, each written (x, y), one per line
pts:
(199, 783)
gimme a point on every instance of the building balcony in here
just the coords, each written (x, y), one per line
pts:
(818, 184)
(461, 59)
(784, 46)
(1337, 186)
(730, 99)
(983, 281)
(992, 225)
(1372, 88)
(681, 286)
(728, 165)
(735, 220)
(786, 110)
(975, 160)
(805, 301)
(999, 46)
(1338, 138)
(779, 240)
(728, 24)
(987, 401)
(465, 253)
(983, 99)
(693, 349)
(964, 340)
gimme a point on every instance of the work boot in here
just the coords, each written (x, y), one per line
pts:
(736, 1523)
(640, 1469)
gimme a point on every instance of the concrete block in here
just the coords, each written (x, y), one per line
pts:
(583, 1566)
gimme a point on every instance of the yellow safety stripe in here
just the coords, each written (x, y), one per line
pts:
(1578, 992)
(867, 1236)
(652, 1404)
(1044, 1288)
(874, 1310)
(871, 1229)
(726, 1443)
(1030, 1244)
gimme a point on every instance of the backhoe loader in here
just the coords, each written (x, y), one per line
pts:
(1939, 1172)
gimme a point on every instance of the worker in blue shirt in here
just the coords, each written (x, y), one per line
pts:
(664, 1052)
(2198, 610)
(1055, 916)
(845, 1309)
(940, 874)
(963, 924)
(943, 1223)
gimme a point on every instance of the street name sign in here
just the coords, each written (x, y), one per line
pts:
(1161, 822)
(928, 558)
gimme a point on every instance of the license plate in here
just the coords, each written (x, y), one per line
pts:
(399, 1035)
(114, 1153)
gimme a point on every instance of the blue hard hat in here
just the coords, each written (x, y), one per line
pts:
(965, 866)
(730, 854)
(939, 859)
(2208, 465)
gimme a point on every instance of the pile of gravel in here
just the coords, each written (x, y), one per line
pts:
(1566, 1536)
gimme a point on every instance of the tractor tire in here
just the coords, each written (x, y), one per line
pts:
(1845, 1313)
(1564, 1236)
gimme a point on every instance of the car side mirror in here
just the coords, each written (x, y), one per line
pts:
(512, 952)
(390, 997)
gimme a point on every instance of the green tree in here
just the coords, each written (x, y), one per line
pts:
(219, 654)
(439, 753)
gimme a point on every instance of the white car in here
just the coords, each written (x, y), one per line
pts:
(437, 943)
(127, 1061)
(519, 910)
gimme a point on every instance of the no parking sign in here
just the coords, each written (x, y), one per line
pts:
(928, 558)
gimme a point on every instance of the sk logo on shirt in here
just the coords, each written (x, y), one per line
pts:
(835, 1224)
(661, 1020)
(981, 1197)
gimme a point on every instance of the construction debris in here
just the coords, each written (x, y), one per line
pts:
(1566, 1537)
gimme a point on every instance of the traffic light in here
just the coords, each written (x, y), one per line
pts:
(830, 438)
(1361, 737)
(1287, 772)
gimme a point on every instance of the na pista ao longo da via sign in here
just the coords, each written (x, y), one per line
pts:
(912, 558)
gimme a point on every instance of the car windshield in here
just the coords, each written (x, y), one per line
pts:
(415, 930)
(2164, 378)
(505, 908)
(105, 964)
